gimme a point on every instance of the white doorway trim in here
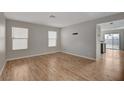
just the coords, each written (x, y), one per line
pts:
(98, 41)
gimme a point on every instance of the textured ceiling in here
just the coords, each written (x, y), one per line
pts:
(61, 19)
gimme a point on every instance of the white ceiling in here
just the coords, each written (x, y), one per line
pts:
(62, 19)
(114, 25)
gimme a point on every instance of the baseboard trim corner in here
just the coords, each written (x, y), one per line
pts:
(1, 71)
(79, 55)
(10, 59)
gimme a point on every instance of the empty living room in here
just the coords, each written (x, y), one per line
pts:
(59, 46)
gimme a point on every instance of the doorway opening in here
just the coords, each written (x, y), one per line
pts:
(110, 38)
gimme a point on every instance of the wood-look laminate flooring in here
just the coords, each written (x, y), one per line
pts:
(61, 66)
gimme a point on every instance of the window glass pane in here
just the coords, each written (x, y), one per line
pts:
(52, 42)
(19, 32)
(112, 41)
(20, 44)
(108, 40)
(52, 34)
(115, 41)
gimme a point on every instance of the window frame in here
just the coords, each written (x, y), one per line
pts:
(52, 38)
(19, 38)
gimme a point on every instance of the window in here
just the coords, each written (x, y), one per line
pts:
(52, 38)
(112, 41)
(19, 38)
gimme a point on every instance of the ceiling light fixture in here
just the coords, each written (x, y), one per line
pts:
(52, 16)
(111, 23)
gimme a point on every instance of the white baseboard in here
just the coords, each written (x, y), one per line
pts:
(43, 54)
(2, 68)
(80, 56)
(10, 59)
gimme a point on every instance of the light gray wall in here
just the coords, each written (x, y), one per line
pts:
(84, 44)
(2, 41)
(121, 32)
(38, 39)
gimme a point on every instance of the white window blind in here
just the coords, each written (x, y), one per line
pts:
(52, 38)
(19, 38)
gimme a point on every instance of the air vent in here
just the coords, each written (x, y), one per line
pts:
(74, 33)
